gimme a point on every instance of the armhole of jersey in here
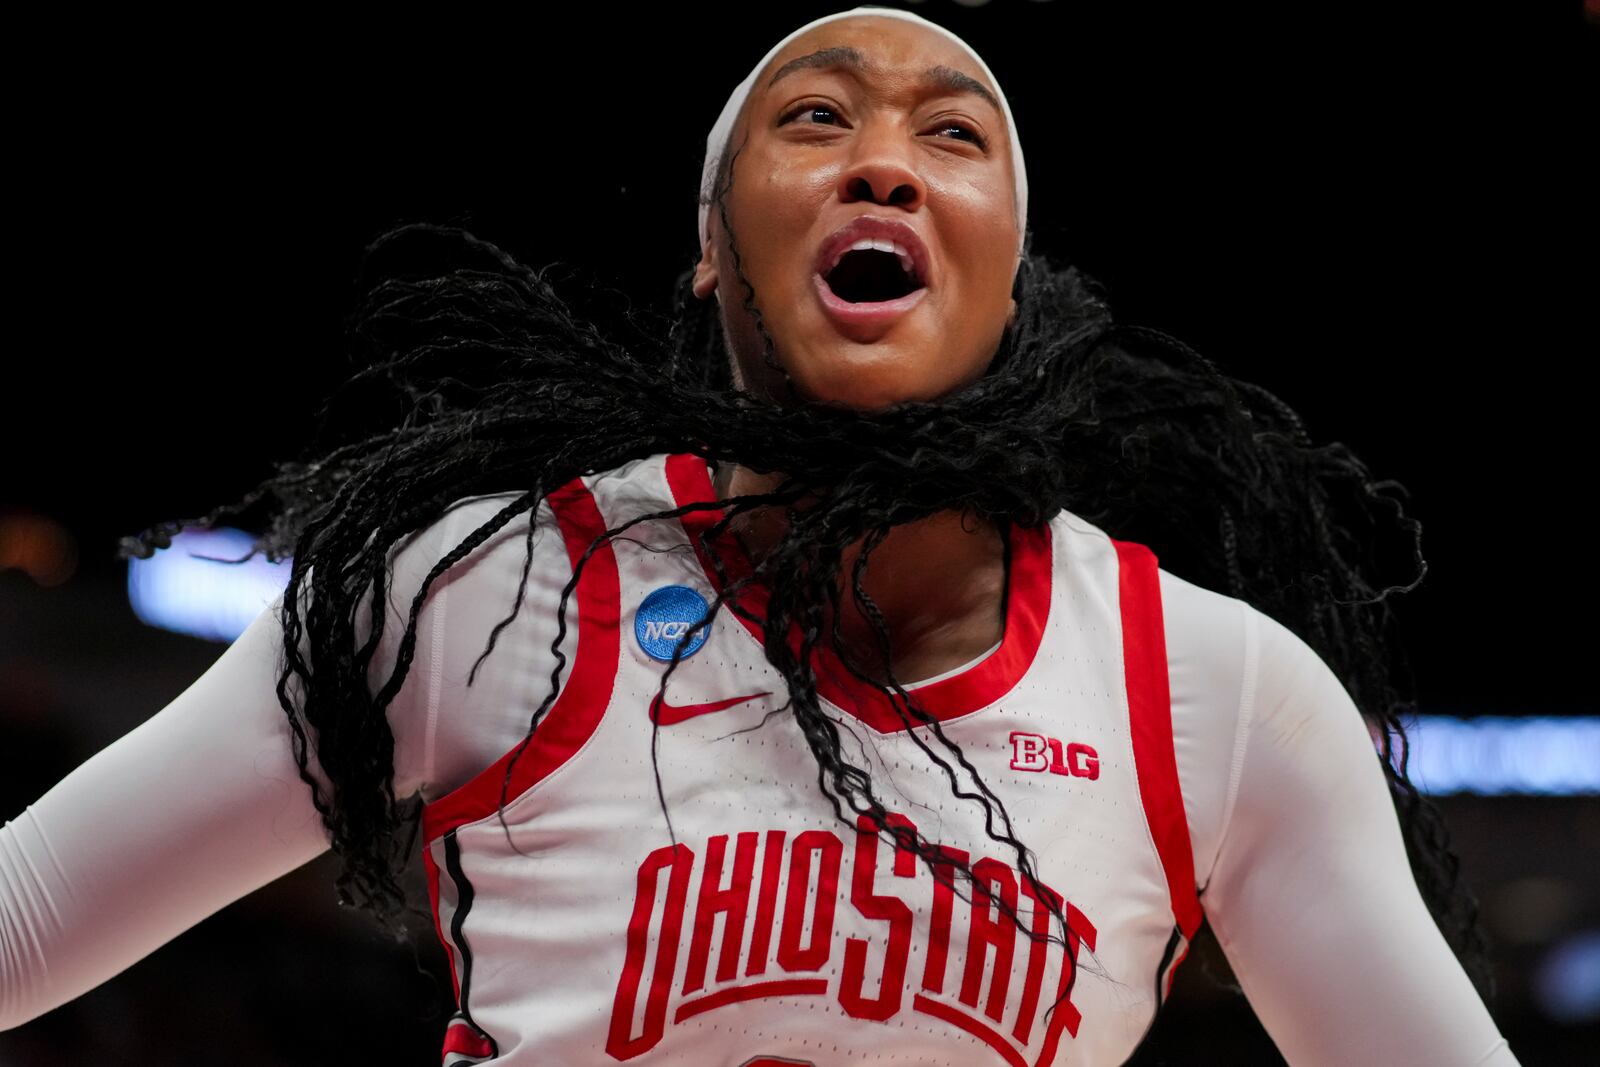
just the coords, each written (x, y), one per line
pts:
(585, 691)
(1144, 648)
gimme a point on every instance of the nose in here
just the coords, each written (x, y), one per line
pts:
(879, 172)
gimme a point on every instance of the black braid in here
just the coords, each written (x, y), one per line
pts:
(496, 386)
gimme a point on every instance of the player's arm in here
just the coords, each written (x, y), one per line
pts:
(188, 812)
(1311, 896)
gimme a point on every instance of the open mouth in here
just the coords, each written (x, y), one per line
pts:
(870, 273)
(873, 274)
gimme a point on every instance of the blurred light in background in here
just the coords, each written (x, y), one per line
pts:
(39, 547)
(1567, 985)
(179, 589)
(1497, 755)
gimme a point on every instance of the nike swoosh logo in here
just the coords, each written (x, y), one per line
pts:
(666, 713)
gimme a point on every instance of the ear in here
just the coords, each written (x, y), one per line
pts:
(1011, 316)
(705, 273)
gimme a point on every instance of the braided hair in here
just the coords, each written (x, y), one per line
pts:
(478, 378)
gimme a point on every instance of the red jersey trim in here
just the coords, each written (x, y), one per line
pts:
(463, 1040)
(584, 695)
(1027, 609)
(1144, 650)
(432, 870)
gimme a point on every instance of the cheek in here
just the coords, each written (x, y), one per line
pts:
(987, 273)
(987, 203)
(985, 300)
(775, 205)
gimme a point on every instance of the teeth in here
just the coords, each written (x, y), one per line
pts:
(879, 244)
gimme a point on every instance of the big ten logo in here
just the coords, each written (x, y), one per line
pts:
(1035, 752)
(885, 934)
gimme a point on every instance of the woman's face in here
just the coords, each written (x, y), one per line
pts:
(881, 119)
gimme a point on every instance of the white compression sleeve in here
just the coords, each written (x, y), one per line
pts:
(1311, 896)
(202, 804)
(191, 810)
(186, 813)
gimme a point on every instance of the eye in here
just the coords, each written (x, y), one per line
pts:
(808, 109)
(815, 108)
(976, 137)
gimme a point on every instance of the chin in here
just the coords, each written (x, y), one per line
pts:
(877, 376)
(864, 377)
(851, 388)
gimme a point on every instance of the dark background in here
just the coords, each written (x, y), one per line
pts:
(1386, 217)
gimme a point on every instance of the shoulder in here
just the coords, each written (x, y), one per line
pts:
(1212, 644)
(471, 542)
(480, 547)
(476, 537)
(492, 613)
(483, 559)
(1211, 650)
(1240, 682)
(1207, 632)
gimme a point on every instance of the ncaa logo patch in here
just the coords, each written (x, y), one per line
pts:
(665, 616)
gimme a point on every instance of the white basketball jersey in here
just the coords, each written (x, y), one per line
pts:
(764, 930)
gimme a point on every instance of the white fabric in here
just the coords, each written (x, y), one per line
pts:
(718, 137)
(553, 954)
(1296, 844)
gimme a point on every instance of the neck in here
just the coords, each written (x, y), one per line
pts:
(939, 583)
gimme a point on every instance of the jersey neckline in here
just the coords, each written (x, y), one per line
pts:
(978, 685)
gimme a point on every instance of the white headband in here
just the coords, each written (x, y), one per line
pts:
(730, 111)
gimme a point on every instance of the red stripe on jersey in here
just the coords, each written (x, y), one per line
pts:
(432, 870)
(1173, 970)
(1144, 649)
(464, 1040)
(582, 702)
(1027, 608)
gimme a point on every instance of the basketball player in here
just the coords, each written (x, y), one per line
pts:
(793, 716)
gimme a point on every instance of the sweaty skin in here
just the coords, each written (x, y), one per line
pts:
(825, 144)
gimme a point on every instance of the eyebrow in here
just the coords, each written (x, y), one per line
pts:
(843, 57)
